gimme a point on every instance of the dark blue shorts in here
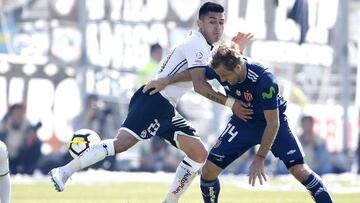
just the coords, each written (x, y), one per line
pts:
(237, 139)
(153, 115)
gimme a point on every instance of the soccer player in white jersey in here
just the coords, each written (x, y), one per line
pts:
(155, 115)
(5, 183)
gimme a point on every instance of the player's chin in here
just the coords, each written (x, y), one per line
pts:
(216, 38)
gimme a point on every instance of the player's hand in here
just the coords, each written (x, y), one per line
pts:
(242, 39)
(256, 170)
(241, 110)
(154, 86)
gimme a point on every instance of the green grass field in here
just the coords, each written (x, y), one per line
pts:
(151, 192)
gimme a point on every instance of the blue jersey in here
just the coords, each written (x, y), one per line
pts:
(259, 90)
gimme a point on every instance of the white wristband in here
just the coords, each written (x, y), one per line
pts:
(230, 102)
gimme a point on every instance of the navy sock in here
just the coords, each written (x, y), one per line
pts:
(210, 190)
(317, 189)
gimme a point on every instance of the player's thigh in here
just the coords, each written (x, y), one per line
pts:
(232, 143)
(210, 171)
(124, 141)
(148, 115)
(287, 147)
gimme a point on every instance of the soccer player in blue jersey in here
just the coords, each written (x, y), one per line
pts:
(155, 115)
(250, 81)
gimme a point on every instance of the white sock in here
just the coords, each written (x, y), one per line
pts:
(91, 156)
(185, 174)
(5, 189)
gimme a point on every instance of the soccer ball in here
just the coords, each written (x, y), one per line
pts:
(82, 139)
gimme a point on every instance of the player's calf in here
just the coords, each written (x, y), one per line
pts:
(312, 182)
(209, 183)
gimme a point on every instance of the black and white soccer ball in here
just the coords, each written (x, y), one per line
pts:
(82, 140)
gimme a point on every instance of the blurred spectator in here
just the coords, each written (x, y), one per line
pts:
(98, 117)
(148, 71)
(358, 155)
(159, 157)
(20, 137)
(317, 156)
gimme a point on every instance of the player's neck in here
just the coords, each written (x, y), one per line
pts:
(243, 72)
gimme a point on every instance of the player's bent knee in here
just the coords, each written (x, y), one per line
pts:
(200, 154)
(209, 171)
(300, 171)
(193, 148)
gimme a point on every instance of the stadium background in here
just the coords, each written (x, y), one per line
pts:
(53, 53)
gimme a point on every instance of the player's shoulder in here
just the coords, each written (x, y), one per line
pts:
(195, 41)
(256, 69)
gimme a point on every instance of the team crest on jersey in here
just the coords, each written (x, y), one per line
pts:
(199, 55)
(238, 93)
(143, 134)
(248, 96)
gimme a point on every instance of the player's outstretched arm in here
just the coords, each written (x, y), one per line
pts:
(257, 166)
(202, 87)
(154, 86)
(242, 39)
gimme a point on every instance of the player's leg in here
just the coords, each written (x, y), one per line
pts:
(128, 135)
(312, 182)
(287, 147)
(5, 189)
(231, 144)
(98, 152)
(209, 182)
(188, 168)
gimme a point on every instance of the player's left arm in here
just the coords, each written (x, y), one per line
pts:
(269, 91)
(271, 129)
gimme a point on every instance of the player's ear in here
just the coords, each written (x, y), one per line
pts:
(199, 23)
(238, 68)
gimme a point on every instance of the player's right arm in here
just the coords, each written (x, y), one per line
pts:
(202, 87)
(154, 86)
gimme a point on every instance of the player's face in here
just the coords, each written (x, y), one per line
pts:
(212, 26)
(232, 77)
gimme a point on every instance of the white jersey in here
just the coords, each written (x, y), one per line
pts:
(193, 52)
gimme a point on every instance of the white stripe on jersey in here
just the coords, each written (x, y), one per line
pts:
(252, 76)
(178, 67)
(179, 121)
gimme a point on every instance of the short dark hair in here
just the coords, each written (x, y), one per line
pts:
(307, 117)
(228, 55)
(210, 7)
(155, 47)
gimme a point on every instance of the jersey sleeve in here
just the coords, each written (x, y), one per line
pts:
(269, 91)
(196, 55)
